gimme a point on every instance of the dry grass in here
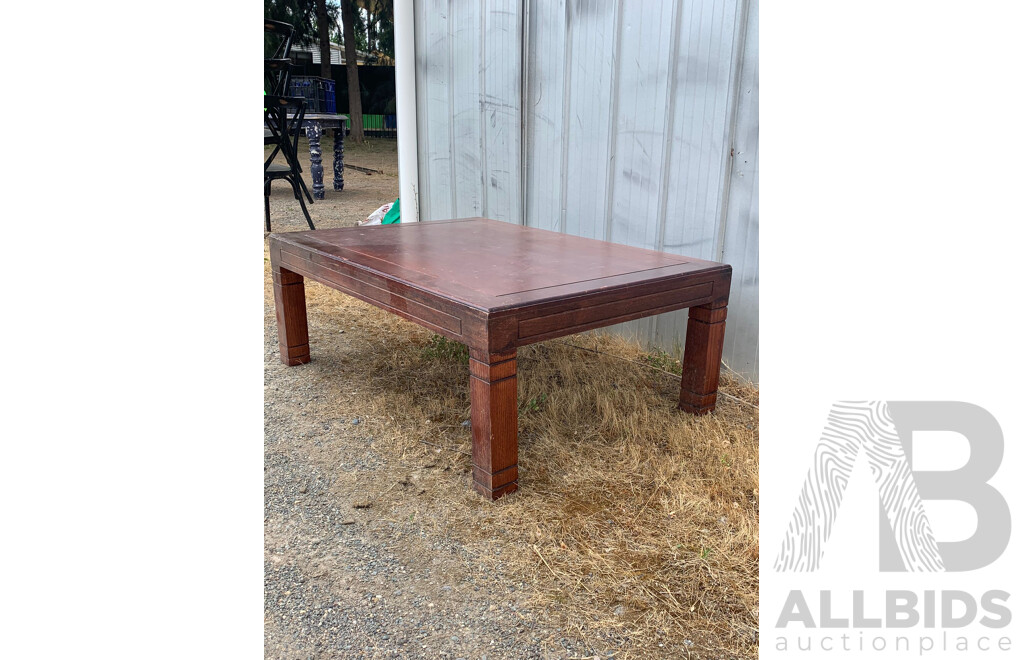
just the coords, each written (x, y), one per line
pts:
(633, 521)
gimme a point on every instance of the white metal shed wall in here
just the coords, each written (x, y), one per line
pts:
(641, 128)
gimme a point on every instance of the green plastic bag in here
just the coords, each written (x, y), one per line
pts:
(393, 216)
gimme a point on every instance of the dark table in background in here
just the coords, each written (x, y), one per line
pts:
(495, 287)
(314, 125)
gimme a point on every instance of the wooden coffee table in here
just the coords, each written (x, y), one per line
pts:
(495, 287)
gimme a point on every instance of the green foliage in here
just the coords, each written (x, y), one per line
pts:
(374, 23)
(659, 359)
(301, 14)
(380, 30)
(533, 405)
(445, 350)
(386, 38)
(360, 30)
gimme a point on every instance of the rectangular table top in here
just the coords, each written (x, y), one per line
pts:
(496, 287)
(491, 265)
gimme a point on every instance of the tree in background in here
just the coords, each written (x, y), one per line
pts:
(366, 25)
(355, 100)
(313, 20)
(298, 13)
(380, 31)
(323, 28)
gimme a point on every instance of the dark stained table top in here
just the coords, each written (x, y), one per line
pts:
(323, 116)
(492, 265)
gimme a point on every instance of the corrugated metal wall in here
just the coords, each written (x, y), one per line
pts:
(640, 127)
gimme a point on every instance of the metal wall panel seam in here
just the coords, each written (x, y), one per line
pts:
(677, 328)
(670, 120)
(422, 35)
(524, 86)
(566, 119)
(613, 116)
(450, 42)
(483, 115)
(736, 70)
(705, 168)
(741, 341)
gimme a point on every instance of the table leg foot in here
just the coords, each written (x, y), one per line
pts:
(494, 416)
(316, 159)
(292, 329)
(702, 358)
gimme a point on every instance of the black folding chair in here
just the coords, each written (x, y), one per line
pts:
(279, 39)
(280, 130)
(283, 118)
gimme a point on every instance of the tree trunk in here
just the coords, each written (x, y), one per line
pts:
(355, 101)
(322, 25)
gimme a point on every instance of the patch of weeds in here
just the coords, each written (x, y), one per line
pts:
(445, 350)
(533, 405)
(705, 553)
(659, 359)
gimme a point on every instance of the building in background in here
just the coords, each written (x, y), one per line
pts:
(310, 53)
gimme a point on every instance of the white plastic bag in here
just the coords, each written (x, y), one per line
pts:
(378, 215)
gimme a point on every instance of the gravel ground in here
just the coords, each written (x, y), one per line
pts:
(356, 562)
(342, 581)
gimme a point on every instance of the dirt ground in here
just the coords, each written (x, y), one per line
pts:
(362, 194)
(633, 535)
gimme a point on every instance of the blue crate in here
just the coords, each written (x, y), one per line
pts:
(332, 107)
(318, 92)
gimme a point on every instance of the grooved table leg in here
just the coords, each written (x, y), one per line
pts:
(339, 158)
(702, 358)
(495, 418)
(290, 302)
(316, 158)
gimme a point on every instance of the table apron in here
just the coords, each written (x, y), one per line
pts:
(510, 328)
(588, 318)
(378, 291)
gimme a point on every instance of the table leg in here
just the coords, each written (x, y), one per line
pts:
(292, 331)
(702, 358)
(494, 416)
(316, 160)
(339, 158)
